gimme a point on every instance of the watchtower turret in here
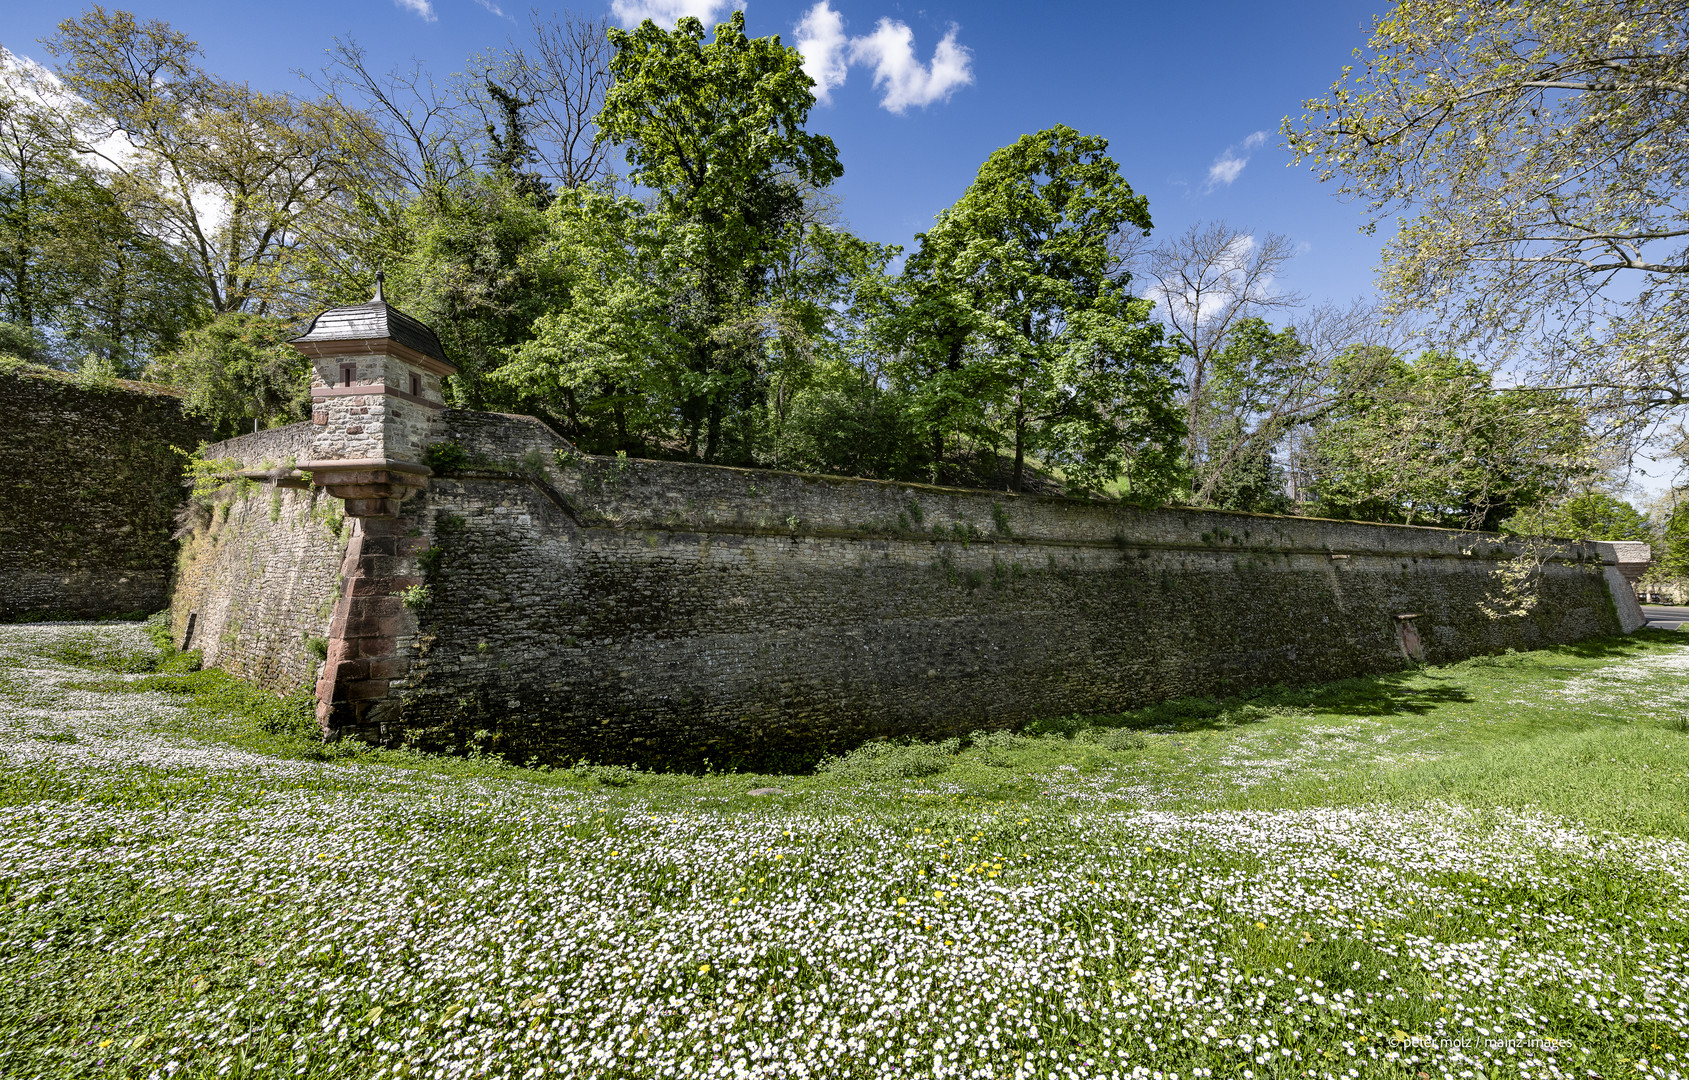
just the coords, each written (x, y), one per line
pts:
(375, 390)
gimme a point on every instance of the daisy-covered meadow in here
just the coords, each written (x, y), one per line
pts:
(1470, 871)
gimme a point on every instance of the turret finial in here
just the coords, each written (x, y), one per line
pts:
(380, 287)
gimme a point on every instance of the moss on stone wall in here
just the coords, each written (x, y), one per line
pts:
(89, 492)
(662, 611)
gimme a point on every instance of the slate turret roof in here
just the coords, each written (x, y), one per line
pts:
(374, 320)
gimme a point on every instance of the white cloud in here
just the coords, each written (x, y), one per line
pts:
(825, 48)
(1225, 169)
(24, 78)
(905, 80)
(890, 50)
(1229, 165)
(423, 8)
(493, 8)
(668, 12)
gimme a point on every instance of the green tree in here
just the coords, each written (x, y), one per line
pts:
(236, 179)
(1591, 516)
(716, 130)
(1542, 147)
(605, 356)
(1671, 552)
(926, 321)
(1240, 416)
(1432, 442)
(75, 268)
(36, 159)
(240, 373)
(464, 260)
(1066, 358)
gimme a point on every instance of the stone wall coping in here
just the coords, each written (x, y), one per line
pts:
(452, 415)
(366, 464)
(27, 370)
(1623, 552)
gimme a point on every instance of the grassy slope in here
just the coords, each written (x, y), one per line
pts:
(1496, 842)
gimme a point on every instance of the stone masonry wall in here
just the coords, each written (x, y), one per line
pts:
(89, 489)
(259, 571)
(644, 610)
(373, 425)
(259, 579)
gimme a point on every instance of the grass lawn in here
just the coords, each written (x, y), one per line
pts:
(1475, 870)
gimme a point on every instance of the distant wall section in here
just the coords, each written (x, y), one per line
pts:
(90, 483)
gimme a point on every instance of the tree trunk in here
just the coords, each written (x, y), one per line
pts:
(1019, 475)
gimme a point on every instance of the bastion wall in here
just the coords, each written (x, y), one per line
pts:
(538, 602)
(90, 484)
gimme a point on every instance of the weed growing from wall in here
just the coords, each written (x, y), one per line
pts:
(207, 475)
(444, 456)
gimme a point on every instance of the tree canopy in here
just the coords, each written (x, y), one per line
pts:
(1036, 324)
(634, 235)
(1539, 149)
(1593, 515)
(1431, 443)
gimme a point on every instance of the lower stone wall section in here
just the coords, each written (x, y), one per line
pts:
(259, 579)
(657, 611)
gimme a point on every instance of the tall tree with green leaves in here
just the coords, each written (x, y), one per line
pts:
(1240, 416)
(1431, 441)
(1535, 152)
(1050, 336)
(37, 158)
(86, 282)
(1593, 515)
(235, 178)
(604, 358)
(240, 373)
(466, 261)
(716, 131)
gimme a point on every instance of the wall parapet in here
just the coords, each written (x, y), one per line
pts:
(633, 493)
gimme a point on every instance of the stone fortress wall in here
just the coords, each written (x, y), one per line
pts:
(259, 566)
(540, 602)
(90, 485)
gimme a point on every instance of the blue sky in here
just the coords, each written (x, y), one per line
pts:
(1175, 88)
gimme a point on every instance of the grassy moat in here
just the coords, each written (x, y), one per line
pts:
(1474, 870)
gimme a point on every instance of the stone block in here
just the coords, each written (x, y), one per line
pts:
(391, 527)
(388, 668)
(339, 649)
(380, 545)
(371, 507)
(366, 690)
